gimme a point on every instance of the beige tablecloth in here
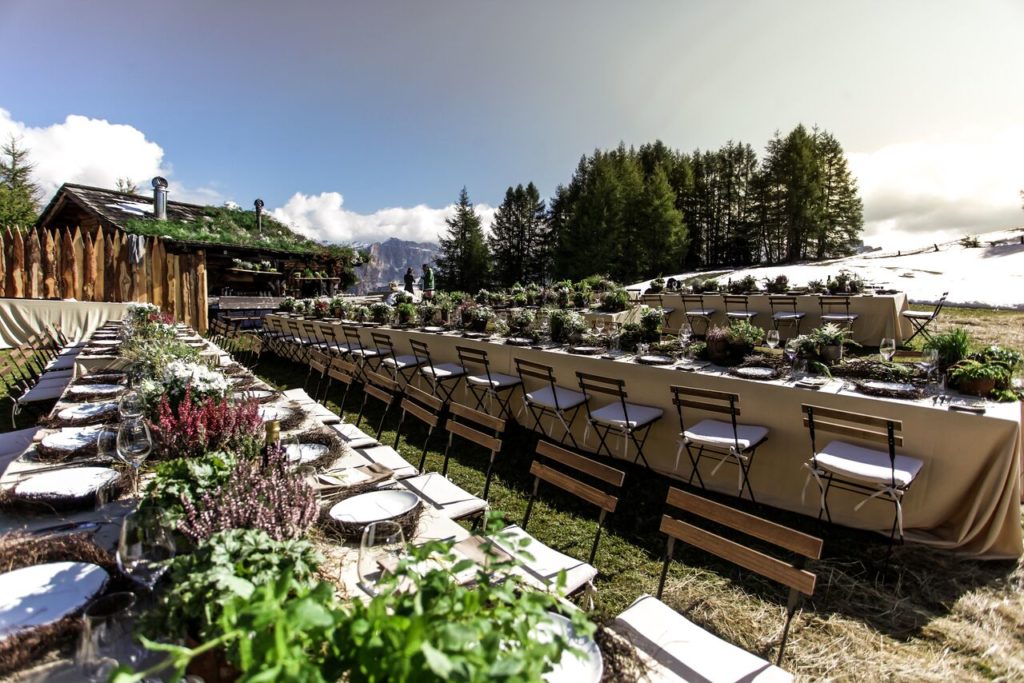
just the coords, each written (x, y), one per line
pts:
(878, 315)
(20, 318)
(967, 497)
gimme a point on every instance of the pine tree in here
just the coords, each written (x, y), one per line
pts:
(19, 195)
(464, 263)
(517, 240)
(842, 212)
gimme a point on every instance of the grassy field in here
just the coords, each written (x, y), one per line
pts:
(932, 616)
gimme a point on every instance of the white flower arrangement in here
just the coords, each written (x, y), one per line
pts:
(179, 375)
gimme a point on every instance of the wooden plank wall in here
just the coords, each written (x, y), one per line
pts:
(95, 265)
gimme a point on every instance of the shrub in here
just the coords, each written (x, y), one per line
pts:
(816, 287)
(566, 326)
(953, 346)
(743, 334)
(657, 286)
(745, 284)
(615, 300)
(629, 337)
(406, 312)
(483, 297)
(214, 425)
(380, 312)
(651, 321)
(779, 285)
(581, 295)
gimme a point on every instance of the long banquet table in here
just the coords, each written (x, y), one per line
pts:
(879, 315)
(966, 499)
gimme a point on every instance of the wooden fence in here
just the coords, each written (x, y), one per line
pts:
(97, 265)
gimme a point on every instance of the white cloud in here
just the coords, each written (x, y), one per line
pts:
(926, 191)
(95, 152)
(324, 217)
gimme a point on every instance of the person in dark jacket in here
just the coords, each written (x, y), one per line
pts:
(410, 281)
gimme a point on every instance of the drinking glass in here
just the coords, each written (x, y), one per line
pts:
(130, 405)
(133, 446)
(887, 348)
(382, 544)
(106, 637)
(143, 547)
(929, 359)
(772, 338)
(599, 326)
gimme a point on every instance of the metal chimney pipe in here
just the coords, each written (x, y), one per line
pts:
(259, 216)
(160, 198)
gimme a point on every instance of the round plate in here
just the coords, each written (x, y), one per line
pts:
(72, 482)
(258, 394)
(96, 389)
(894, 387)
(72, 438)
(86, 411)
(583, 667)
(433, 328)
(374, 506)
(475, 335)
(279, 413)
(519, 341)
(656, 360)
(755, 373)
(45, 593)
(299, 453)
(586, 350)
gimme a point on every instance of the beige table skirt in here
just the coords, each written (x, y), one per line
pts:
(878, 315)
(21, 318)
(967, 497)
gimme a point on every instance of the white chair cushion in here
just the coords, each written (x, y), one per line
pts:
(638, 415)
(443, 370)
(390, 458)
(38, 394)
(741, 314)
(866, 464)
(719, 434)
(917, 314)
(839, 317)
(546, 562)
(683, 651)
(444, 496)
(787, 315)
(701, 312)
(353, 436)
(364, 353)
(402, 362)
(498, 380)
(567, 398)
(45, 381)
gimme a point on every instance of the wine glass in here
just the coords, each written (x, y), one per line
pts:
(381, 546)
(772, 339)
(130, 405)
(143, 547)
(887, 348)
(929, 360)
(599, 326)
(106, 636)
(134, 444)
(790, 351)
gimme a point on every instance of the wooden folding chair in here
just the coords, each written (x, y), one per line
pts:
(632, 420)
(487, 386)
(476, 427)
(426, 408)
(694, 310)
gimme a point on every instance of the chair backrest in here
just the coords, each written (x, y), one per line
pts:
(319, 362)
(570, 482)
(692, 302)
(938, 306)
(342, 370)
(740, 300)
(785, 302)
(420, 350)
(856, 426)
(295, 328)
(468, 422)
(473, 357)
(708, 400)
(327, 333)
(608, 386)
(382, 388)
(382, 341)
(423, 406)
(352, 336)
(790, 574)
(829, 304)
(653, 300)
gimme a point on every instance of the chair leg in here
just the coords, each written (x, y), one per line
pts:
(669, 548)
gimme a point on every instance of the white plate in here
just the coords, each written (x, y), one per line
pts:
(73, 482)
(755, 373)
(374, 506)
(257, 394)
(519, 341)
(585, 667)
(84, 411)
(279, 413)
(96, 389)
(433, 328)
(72, 438)
(656, 360)
(304, 452)
(586, 350)
(45, 593)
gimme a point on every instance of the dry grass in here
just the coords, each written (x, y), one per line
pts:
(986, 325)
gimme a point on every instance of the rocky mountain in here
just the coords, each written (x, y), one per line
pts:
(389, 261)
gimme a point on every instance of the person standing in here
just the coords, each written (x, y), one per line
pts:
(410, 281)
(428, 281)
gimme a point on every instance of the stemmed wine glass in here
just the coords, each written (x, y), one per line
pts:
(130, 405)
(772, 339)
(929, 361)
(106, 637)
(134, 444)
(599, 326)
(789, 351)
(143, 546)
(887, 348)
(381, 546)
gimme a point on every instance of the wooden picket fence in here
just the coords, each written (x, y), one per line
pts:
(95, 265)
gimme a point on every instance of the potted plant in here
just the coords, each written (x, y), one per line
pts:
(380, 312)
(743, 337)
(651, 320)
(406, 312)
(288, 305)
(483, 297)
(657, 285)
(977, 378)
(521, 323)
(816, 287)
(614, 300)
(830, 339)
(778, 285)
(745, 284)
(581, 295)
(567, 326)
(428, 313)
(953, 346)
(321, 307)
(480, 317)
(338, 307)
(717, 343)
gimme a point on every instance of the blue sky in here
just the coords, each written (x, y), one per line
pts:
(358, 118)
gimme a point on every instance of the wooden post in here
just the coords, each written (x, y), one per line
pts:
(201, 303)
(68, 270)
(50, 289)
(187, 291)
(16, 266)
(124, 276)
(109, 269)
(34, 267)
(158, 270)
(78, 249)
(88, 269)
(137, 274)
(173, 291)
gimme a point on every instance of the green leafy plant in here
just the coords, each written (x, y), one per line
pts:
(845, 282)
(581, 295)
(483, 297)
(480, 316)
(566, 326)
(704, 286)
(953, 346)
(614, 300)
(778, 285)
(630, 337)
(406, 312)
(651, 322)
(831, 334)
(183, 479)
(745, 335)
(380, 312)
(817, 287)
(521, 323)
(743, 285)
(657, 285)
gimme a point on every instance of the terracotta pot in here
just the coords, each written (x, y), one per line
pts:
(832, 353)
(718, 351)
